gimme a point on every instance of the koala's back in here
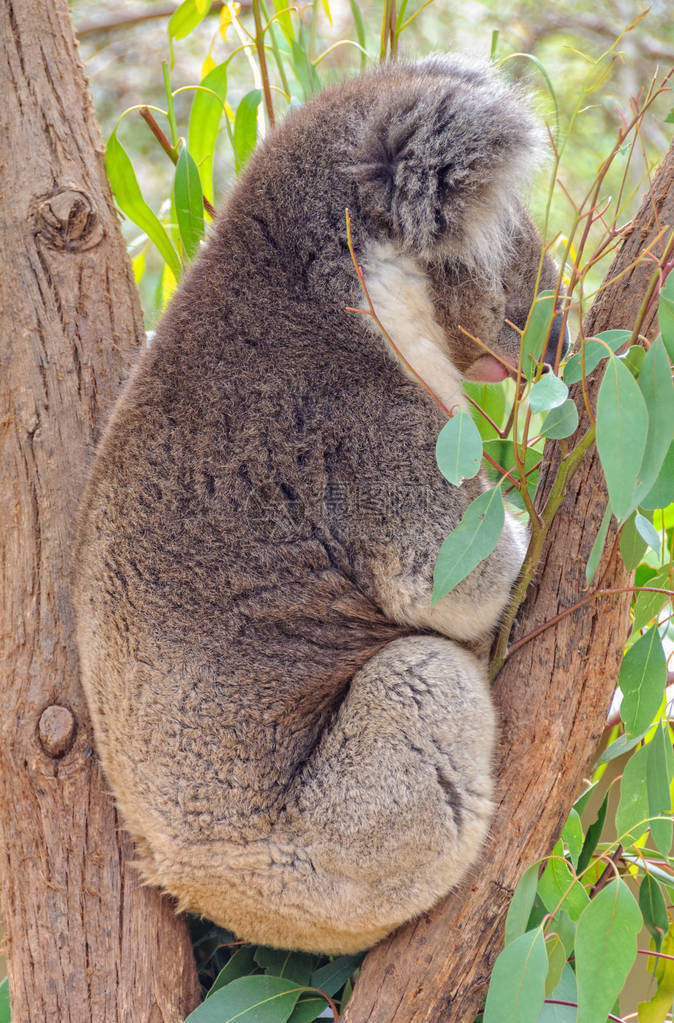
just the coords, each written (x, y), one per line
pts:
(255, 556)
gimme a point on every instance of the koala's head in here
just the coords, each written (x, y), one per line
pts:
(444, 153)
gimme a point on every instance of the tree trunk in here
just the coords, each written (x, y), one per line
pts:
(552, 697)
(86, 943)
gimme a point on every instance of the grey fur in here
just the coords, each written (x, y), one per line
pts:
(300, 747)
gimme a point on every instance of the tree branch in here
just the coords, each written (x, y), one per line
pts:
(86, 942)
(552, 697)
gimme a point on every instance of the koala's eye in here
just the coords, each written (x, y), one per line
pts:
(506, 290)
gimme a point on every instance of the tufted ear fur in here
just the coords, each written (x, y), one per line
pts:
(442, 159)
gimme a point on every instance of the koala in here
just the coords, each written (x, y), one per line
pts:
(298, 741)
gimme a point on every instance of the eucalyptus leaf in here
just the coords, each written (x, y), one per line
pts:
(631, 819)
(471, 542)
(661, 493)
(240, 964)
(562, 421)
(598, 546)
(458, 450)
(648, 532)
(244, 137)
(622, 427)
(653, 909)
(572, 835)
(592, 836)
(655, 384)
(595, 351)
(186, 17)
(659, 773)
(642, 678)
(666, 314)
(557, 957)
(5, 1012)
(606, 948)
(517, 987)
(130, 200)
(189, 203)
(332, 977)
(547, 393)
(564, 992)
(521, 904)
(648, 604)
(632, 545)
(258, 999)
(205, 116)
(537, 330)
(559, 888)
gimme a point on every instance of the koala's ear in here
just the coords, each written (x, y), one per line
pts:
(442, 157)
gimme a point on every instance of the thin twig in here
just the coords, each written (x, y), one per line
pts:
(170, 150)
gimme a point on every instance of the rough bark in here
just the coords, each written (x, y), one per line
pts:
(552, 697)
(85, 941)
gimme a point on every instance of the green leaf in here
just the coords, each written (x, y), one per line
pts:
(653, 909)
(5, 1013)
(517, 987)
(491, 401)
(592, 836)
(309, 1007)
(655, 384)
(618, 748)
(458, 450)
(662, 492)
(297, 966)
(632, 545)
(186, 17)
(258, 999)
(564, 992)
(244, 137)
(360, 32)
(189, 203)
(666, 314)
(557, 957)
(534, 338)
(129, 198)
(659, 773)
(648, 532)
(622, 426)
(205, 116)
(284, 19)
(658, 1009)
(332, 977)
(648, 605)
(598, 546)
(565, 927)
(240, 964)
(471, 542)
(562, 421)
(631, 819)
(547, 393)
(521, 903)
(606, 947)
(642, 678)
(559, 888)
(595, 351)
(304, 70)
(572, 836)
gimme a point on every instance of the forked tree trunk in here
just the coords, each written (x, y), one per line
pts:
(552, 697)
(85, 943)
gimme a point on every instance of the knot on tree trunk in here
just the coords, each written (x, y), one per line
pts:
(57, 729)
(66, 220)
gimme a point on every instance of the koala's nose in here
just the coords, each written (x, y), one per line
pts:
(553, 341)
